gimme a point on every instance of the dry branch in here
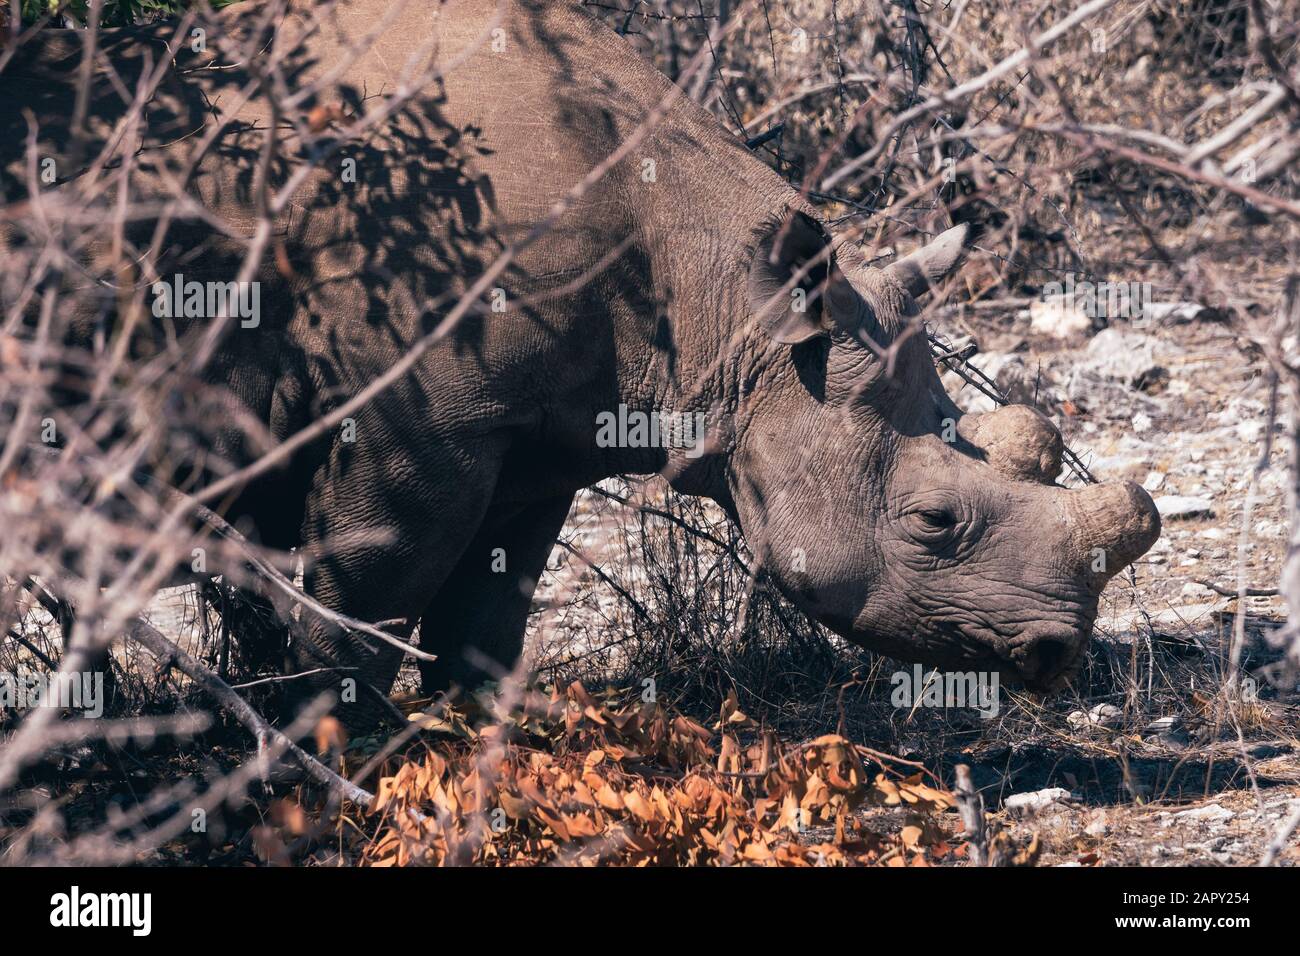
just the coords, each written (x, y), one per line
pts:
(168, 653)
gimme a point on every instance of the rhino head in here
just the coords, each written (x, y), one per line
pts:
(879, 508)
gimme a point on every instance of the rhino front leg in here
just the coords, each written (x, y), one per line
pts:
(389, 540)
(476, 622)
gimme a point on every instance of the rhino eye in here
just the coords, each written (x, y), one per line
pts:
(934, 527)
(938, 519)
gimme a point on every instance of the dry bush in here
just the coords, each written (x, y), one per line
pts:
(662, 589)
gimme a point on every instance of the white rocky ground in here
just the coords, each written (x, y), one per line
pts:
(1182, 407)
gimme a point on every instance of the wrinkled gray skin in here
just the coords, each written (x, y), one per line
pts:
(958, 553)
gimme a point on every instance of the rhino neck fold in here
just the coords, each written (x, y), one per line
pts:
(681, 374)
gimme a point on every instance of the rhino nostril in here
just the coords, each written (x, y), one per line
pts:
(1047, 657)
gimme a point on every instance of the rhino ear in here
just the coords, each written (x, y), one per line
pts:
(929, 264)
(787, 280)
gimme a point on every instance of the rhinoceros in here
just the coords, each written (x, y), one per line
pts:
(688, 289)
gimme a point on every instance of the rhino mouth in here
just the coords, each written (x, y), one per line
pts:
(1043, 658)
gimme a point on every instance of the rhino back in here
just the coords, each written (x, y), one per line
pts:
(517, 119)
(381, 239)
